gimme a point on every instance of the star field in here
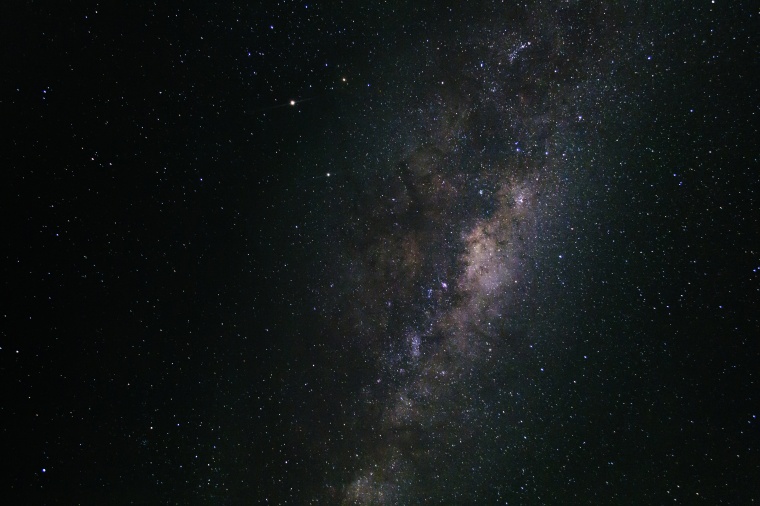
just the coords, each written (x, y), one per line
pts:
(419, 253)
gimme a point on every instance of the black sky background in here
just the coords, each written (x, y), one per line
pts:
(183, 279)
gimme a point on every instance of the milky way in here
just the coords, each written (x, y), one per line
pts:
(392, 252)
(450, 235)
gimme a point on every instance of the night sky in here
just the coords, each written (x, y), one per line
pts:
(381, 253)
